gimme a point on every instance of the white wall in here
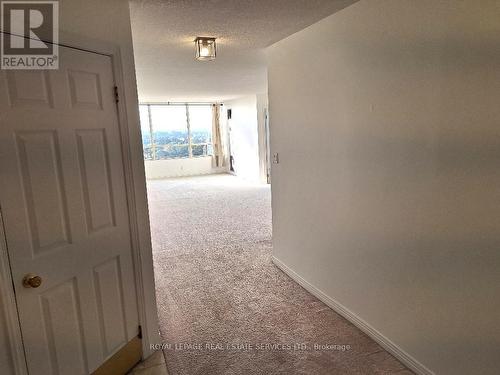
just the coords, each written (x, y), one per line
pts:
(157, 169)
(108, 21)
(244, 136)
(386, 116)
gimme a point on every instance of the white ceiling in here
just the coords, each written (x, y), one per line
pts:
(164, 30)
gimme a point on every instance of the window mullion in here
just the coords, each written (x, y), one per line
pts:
(190, 149)
(151, 136)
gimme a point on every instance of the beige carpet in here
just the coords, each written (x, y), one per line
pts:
(224, 308)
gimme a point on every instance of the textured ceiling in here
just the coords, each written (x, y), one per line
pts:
(163, 34)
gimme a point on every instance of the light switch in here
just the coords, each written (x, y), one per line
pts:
(276, 158)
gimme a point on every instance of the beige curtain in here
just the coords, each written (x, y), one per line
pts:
(218, 156)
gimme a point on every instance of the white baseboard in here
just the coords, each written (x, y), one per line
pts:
(383, 341)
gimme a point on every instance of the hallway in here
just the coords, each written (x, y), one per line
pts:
(224, 308)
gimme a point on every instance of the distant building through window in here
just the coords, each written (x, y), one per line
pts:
(172, 131)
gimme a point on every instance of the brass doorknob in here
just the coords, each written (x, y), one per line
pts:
(32, 281)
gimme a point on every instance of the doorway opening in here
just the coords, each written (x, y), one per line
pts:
(210, 225)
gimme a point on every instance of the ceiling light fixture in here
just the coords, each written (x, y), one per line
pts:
(205, 48)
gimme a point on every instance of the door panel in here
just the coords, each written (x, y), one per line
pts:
(95, 179)
(62, 327)
(85, 89)
(43, 191)
(108, 284)
(29, 88)
(63, 199)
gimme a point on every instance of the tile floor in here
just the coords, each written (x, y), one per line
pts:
(154, 365)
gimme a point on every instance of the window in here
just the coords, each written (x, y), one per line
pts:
(145, 131)
(200, 121)
(176, 131)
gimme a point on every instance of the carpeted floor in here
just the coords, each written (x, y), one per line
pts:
(224, 308)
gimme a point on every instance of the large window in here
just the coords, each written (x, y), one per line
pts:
(176, 131)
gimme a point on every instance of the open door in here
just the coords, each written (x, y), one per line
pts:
(268, 145)
(64, 206)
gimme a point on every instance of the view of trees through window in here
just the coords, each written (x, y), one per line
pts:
(176, 131)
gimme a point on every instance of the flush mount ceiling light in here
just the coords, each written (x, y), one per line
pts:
(205, 48)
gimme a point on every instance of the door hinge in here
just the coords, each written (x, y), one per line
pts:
(117, 97)
(140, 332)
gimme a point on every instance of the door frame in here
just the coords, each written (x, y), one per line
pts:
(230, 147)
(267, 139)
(9, 308)
(135, 186)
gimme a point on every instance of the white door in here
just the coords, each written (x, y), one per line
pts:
(63, 201)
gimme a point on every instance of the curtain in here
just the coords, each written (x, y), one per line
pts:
(218, 154)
